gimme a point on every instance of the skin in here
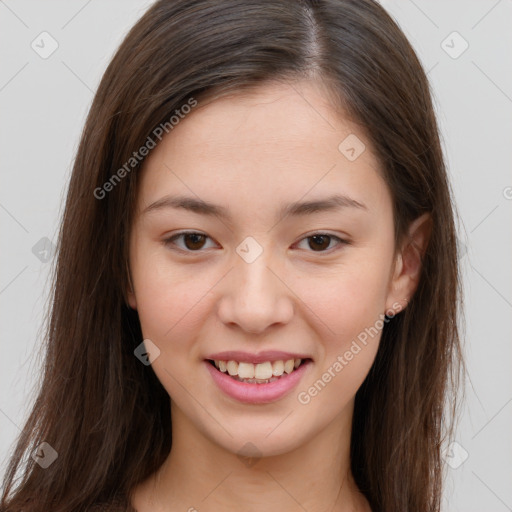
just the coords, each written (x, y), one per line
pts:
(244, 153)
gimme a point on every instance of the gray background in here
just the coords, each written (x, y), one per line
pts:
(44, 102)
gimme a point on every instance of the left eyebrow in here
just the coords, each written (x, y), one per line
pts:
(330, 203)
(297, 208)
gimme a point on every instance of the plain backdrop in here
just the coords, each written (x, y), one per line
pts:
(464, 45)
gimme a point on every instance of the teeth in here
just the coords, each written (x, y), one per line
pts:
(257, 381)
(277, 368)
(232, 367)
(288, 365)
(258, 373)
(245, 370)
(263, 370)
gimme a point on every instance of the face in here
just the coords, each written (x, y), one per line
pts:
(269, 286)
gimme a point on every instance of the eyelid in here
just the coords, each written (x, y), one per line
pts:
(341, 241)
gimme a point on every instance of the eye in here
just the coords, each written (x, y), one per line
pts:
(193, 240)
(320, 242)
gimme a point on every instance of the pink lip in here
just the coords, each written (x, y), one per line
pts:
(257, 393)
(260, 357)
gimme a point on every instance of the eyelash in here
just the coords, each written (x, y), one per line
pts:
(170, 241)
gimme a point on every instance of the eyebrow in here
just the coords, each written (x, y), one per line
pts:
(331, 203)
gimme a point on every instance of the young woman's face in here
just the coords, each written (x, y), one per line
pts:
(313, 284)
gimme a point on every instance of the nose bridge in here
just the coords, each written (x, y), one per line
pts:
(255, 297)
(252, 262)
(255, 277)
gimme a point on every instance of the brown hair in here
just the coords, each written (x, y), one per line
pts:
(105, 413)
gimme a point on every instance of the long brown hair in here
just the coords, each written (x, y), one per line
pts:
(106, 414)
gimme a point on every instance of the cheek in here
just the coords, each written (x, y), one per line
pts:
(173, 304)
(168, 305)
(353, 312)
(348, 299)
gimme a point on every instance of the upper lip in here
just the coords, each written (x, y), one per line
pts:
(260, 357)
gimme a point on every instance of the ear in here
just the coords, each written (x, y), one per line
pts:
(130, 293)
(131, 299)
(408, 262)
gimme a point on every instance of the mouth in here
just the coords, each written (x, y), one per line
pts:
(261, 373)
(246, 384)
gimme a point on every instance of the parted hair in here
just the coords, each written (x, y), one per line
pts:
(107, 415)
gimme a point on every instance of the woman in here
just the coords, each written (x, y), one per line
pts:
(256, 294)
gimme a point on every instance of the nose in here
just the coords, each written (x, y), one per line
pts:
(255, 297)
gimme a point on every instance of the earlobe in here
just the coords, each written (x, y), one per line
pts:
(409, 260)
(131, 300)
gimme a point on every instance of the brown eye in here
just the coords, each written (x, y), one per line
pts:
(195, 242)
(192, 241)
(321, 242)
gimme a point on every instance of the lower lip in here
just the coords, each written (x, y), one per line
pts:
(252, 393)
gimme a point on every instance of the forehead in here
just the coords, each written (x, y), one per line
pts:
(277, 139)
(275, 115)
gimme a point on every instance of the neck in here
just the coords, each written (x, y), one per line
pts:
(201, 475)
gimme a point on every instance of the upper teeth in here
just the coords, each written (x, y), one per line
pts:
(264, 370)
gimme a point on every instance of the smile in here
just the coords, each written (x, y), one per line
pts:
(261, 373)
(259, 383)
